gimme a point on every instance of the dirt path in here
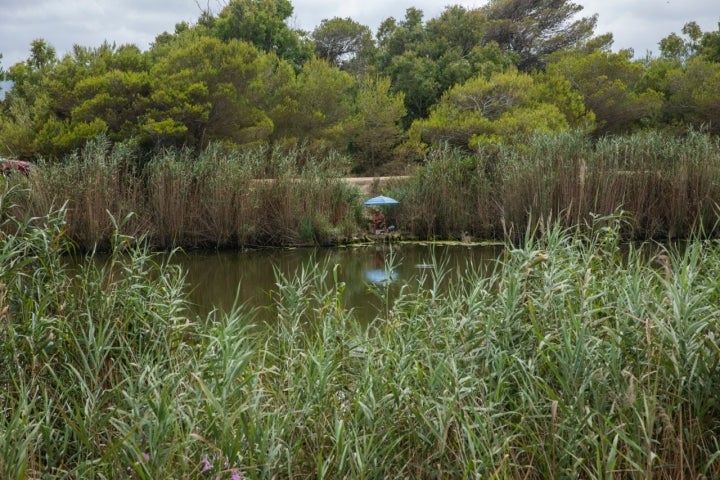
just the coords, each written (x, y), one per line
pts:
(366, 183)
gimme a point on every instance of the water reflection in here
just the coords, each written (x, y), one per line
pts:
(381, 276)
(217, 279)
(383, 270)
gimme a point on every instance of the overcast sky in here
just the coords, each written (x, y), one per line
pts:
(637, 24)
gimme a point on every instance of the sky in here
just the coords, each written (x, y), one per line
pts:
(637, 24)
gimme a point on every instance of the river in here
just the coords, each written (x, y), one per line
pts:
(218, 279)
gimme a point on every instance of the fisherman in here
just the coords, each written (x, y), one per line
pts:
(378, 221)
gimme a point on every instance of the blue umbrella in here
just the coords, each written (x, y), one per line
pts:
(381, 200)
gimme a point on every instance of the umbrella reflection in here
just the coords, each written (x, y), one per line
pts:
(381, 276)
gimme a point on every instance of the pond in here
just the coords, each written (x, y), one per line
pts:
(218, 279)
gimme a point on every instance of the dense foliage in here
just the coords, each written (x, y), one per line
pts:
(470, 77)
(667, 187)
(575, 357)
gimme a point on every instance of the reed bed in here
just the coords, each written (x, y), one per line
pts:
(450, 197)
(671, 184)
(668, 188)
(574, 357)
(220, 198)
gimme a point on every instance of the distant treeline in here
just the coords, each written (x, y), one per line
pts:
(470, 79)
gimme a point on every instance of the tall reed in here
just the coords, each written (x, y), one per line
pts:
(89, 184)
(544, 180)
(220, 198)
(667, 186)
(572, 357)
(669, 183)
(449, 197)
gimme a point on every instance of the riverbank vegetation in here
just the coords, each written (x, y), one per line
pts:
(235, 131)
(668, 188)
(219, 199)
(574, 356)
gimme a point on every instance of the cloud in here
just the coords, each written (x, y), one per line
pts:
(639, 24)
(88, 23)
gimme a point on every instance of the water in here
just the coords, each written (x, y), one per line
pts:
(217, 279)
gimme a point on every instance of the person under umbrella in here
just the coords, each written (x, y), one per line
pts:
(378, 220)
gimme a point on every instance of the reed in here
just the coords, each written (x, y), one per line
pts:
(220, 198)
(98, 180)
(544, 180)
(668, 187)
(669, 183)
(571, 357)
(450, 197)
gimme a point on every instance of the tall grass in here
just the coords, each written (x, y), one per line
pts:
(450, 197)
(545, 180)
(671, 184)
(571, 358)
(220, 198)
(90, 184)
(669, 187)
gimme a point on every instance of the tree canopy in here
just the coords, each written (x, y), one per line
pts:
(470, 77)
(343, 42)
(534, 29)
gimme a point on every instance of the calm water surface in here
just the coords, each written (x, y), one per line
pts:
(216, 279)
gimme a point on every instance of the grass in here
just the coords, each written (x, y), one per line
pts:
(218, 199)
(667, 186)
(574, 357)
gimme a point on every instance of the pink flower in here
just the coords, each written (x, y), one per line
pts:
(206, 464)
(146, 456)
(236, 475)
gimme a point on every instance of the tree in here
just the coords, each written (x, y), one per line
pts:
(695, 43)
(117, 97)
(534, 29)
(204, 91)
(42, 55)
(262, 23)
(693, 95)
(17, 129)
(457, 28)
(611, 87)
(710, 45)
(28, 105)
(673, 47)
(275, 92)
(455, 40)
(378, 123)
(325, 103)
(425, 60)
(416, 77)
(507, 107)
(342, 42)
(558, 90)
(56, 106)
(396, 38)
(27, 76)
